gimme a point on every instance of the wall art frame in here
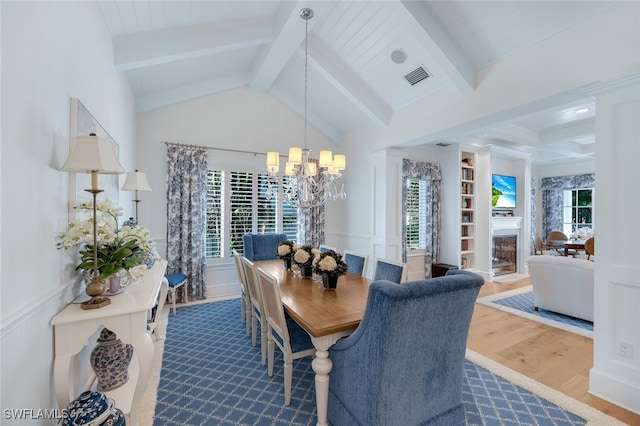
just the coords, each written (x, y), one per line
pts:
(83, 123)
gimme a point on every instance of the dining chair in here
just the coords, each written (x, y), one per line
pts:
(245, 301)
(414, 376)
(390, 270)
(324, 248)
(356, 262)
(589, 247)
(293, 340)
(556, 240)
(257, 308)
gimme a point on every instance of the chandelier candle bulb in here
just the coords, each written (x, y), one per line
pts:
(326, 159)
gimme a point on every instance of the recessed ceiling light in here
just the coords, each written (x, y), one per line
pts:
(582, 110)
(398, 56)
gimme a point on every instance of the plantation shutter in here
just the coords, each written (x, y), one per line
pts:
(215, 213)
(241, 208)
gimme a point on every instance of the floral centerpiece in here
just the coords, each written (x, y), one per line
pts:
(120, 250)
(286, 250)
(583, 233)
(303, 257)
(330, 265)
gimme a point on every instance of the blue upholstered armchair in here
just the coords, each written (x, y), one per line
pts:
(262, 246)
(403, 365)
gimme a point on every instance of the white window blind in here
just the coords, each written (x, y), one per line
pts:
(416, 214)
(237, 205)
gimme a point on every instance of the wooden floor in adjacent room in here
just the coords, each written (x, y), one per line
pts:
(556, 358)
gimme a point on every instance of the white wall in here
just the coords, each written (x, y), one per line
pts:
(50, 52)
(239, 120)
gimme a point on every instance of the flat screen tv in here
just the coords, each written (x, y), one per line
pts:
(503, 191)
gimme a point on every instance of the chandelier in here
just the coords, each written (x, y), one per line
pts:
(307, 182)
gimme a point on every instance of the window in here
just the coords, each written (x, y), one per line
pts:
(237, 205)
(577, 210)
(416, 214)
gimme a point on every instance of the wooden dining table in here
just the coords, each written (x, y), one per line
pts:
(326, 315)
(573, 244)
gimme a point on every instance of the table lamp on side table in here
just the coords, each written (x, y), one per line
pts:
(94, 155)
(136, 181)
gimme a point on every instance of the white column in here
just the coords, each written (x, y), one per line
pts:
(615, 376)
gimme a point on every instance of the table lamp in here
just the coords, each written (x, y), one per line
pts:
(94, 155)
(136, 181)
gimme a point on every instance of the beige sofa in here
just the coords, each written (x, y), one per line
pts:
(563, 285)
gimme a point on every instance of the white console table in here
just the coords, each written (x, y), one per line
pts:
(127, 317)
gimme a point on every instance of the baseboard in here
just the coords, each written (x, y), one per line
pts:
(615, 391)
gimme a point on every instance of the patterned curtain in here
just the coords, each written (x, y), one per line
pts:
(534, 214)
(311, 223)
(186, 216)
(552, 197)
(431, 173)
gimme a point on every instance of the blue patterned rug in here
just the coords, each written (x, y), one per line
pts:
(211, 375)
(520, 302)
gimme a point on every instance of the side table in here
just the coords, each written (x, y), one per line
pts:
(127, 317)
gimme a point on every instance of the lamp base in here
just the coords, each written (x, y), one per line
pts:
(95, 303)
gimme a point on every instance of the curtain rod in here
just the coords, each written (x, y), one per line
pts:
(210, 147)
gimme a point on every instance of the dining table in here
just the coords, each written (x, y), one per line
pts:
(573, 244)
(326, 315)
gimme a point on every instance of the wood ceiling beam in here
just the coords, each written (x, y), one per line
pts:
(159, 47)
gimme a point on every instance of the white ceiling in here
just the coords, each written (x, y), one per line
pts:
(175, 51)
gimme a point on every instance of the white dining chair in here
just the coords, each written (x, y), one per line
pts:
(356, 262)
(257, 309)
(293, 340)
(324, 248)
(390, 270)
(245, 300)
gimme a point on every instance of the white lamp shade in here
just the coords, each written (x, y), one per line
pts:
(326, 159)
(339, 162)
(295, 155)
(289, 169)
(273, 161)
(136, 181)
(92, 154)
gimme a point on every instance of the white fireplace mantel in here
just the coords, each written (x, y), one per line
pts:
(505, 223)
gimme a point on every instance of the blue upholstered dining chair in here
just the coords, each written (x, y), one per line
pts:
(356, 262)
(390, 271)
(291, 339)
(262, 246)
(257, 308)
(415, 374)
(176, 281)
(322, 248)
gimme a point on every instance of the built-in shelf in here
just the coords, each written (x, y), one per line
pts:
(467, 209)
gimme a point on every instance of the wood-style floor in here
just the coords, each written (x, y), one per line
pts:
(556, 358)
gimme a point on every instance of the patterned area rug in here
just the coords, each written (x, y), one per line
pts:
(520, 302)
(211, 375)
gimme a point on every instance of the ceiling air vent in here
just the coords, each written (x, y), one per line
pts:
(417, 75)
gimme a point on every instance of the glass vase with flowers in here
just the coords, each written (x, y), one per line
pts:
(330, 266)
(303, 257)
(286, 250)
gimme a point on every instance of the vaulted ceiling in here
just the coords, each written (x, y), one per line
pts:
(363, 59)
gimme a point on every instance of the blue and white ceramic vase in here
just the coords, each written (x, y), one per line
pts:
(110, 360)
(287, 263)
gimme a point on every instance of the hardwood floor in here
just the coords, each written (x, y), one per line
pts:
(556, 358)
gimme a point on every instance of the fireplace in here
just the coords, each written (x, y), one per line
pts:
(504, 254)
